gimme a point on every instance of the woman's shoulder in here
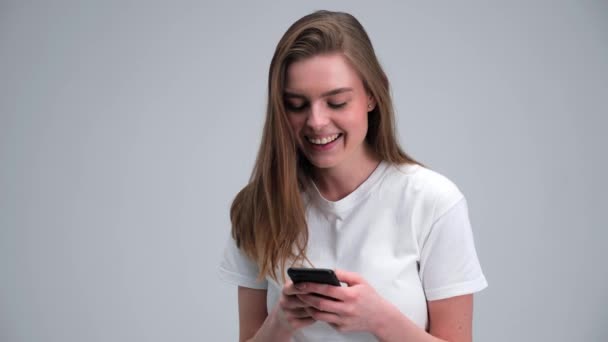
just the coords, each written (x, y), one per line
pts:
(422, 184)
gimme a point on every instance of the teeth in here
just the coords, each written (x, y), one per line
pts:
(323, 141)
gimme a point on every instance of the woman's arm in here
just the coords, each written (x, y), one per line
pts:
(252, 311)
(359, 307)
(255, 324)
(450, 320)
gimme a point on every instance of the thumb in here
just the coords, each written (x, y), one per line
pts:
(351, 278)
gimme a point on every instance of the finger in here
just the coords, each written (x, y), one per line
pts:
(322, 304)
(328, 317)
(300, 313)
(351, 278)
(290, 289)
(335, 292)
(299, 318)
(292, 302)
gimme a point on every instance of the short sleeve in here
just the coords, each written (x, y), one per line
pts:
(237, 268)
(448, 260)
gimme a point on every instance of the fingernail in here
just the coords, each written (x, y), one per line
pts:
(301, 286)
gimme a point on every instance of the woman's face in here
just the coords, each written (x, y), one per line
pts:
(327, 108)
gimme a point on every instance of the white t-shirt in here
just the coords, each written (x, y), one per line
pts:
(406, 230)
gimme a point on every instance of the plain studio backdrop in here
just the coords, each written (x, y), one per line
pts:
(127, 128)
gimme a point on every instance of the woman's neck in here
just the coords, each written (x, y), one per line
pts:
(338, 182)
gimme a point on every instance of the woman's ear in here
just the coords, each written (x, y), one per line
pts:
(371, 103)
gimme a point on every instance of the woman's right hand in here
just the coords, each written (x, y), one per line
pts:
(289, 315)
(291, 311)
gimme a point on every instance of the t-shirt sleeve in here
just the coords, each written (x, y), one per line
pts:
(448, 260)
(237, 268)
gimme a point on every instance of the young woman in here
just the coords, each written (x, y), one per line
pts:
(331, 188)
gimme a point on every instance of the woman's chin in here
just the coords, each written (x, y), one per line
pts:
(323, 163)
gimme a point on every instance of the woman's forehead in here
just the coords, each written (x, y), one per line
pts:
(320, 74)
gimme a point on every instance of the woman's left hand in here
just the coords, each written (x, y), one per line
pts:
(357, 307)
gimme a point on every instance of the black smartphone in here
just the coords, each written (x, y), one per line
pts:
(313, 275)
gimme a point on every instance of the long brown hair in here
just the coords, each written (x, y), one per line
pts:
(268, 214)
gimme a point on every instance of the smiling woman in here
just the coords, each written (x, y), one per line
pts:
(331, 188)
(329, 125)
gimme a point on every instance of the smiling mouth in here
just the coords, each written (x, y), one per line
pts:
(324, 141)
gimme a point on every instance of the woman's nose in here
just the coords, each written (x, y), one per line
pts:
(317, 117)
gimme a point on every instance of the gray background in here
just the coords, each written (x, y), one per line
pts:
(126, 128)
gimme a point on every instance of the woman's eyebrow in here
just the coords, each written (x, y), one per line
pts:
(336, 91)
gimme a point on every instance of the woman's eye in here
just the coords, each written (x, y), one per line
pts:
(336, 105)
(294, 108)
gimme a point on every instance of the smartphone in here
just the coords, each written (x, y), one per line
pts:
(313, 275)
